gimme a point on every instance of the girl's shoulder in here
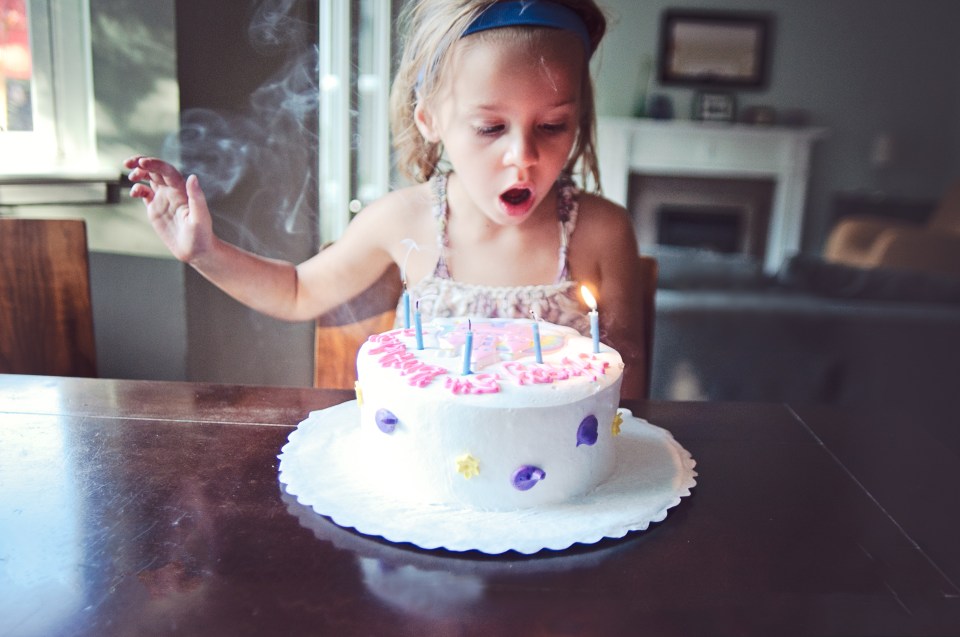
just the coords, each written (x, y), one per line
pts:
(400, 215)
(401, 204)
(397, 211)
(598, 214)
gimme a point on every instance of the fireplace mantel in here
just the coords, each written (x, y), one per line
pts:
(683, 148)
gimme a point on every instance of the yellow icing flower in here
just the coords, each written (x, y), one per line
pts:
(359, 390)
(617, 421)
(468, 466)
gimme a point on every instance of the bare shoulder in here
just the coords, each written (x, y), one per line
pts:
(602, 221)
(398, 207)
(388, 227)
(400, 212)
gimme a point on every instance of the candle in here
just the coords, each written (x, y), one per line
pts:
(594, 318)
(467, 349)
(405, 297)
(406, 306)
(537, 351)
(418, 325)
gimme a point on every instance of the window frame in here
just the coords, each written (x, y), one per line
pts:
(354, 79)
(62, 143)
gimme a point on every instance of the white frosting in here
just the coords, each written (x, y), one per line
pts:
(531, 417)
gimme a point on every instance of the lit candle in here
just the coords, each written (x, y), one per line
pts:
(406, 306)
(537, 351)
(418, 325)
(467, 349)
(594, 318)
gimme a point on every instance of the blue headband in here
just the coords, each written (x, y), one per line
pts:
(532, 13)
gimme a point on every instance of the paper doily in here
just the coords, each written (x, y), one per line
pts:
(319, 466)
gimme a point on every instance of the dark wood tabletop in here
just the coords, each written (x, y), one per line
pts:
(154, 508)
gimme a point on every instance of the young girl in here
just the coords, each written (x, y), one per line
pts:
(500, 91)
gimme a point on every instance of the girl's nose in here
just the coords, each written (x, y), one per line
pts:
(522, 151)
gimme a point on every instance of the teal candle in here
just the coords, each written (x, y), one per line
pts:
(595, 330)
(594, 317)
(406, 308)
(537, 351)
(468, 349)
(418, 325)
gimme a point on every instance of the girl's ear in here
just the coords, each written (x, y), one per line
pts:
(425, 123)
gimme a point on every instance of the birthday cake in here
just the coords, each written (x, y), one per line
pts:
(490, 414)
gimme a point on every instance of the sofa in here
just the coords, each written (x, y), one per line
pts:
(876, 241)
(818, 332)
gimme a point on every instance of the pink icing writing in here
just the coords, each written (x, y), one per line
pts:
(393, 354)
(533, 373)
(474, 384)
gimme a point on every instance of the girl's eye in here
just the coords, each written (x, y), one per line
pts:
(558, 127)
(487, 131)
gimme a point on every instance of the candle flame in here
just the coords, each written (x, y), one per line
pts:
(588, 298)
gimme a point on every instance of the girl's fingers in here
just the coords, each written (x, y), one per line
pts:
(141, 191)
(195, 194)
(154, 170)
(132, 162)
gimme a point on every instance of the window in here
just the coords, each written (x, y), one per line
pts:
(16, 68)
(355, 41)
(46, 97)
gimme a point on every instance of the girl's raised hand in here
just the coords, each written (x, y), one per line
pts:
(176, 207)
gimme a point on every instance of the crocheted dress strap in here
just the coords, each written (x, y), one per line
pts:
(439, 183)
(567, 210)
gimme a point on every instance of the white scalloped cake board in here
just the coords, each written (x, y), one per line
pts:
(322, 466)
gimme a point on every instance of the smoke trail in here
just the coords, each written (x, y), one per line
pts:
(268, 147)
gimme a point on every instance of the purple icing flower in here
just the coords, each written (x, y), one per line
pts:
(386, 421)
(587, 433)
(527, 477)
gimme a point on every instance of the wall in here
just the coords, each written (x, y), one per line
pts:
(137, 288)
(859, 67)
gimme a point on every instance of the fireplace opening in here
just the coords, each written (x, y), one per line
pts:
(716, 228)
(728, 216)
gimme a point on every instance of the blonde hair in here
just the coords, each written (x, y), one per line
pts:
(429, 29)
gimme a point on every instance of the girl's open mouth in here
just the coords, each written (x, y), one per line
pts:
(516, 196)
(516, 201)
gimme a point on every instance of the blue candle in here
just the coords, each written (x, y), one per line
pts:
(537, 352)
(468, 349)
(406, 307)
(418, 326)
(595, 330)
(594, 317)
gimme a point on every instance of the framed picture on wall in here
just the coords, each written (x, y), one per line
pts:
(714, 48)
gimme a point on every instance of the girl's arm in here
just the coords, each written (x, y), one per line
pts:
(605, 231)
(178, 211)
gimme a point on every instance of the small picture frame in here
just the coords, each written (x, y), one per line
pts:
(712, 106)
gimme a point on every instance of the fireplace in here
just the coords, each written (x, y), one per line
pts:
(710, 169)
(715, 228)
(727, 216)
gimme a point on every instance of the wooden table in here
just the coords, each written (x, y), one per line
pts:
(153, 508)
